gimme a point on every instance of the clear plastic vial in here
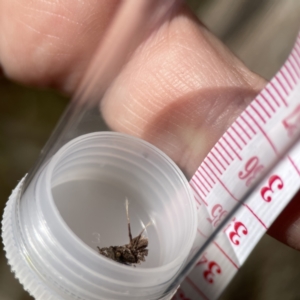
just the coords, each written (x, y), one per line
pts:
(74, 199)
(77, 203)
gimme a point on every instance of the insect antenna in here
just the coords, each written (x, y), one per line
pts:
(128, 221)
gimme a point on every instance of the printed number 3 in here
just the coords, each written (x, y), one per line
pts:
(234, 235)
(267, 190)
(213, 269)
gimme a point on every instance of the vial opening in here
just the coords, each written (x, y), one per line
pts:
(94, 174)
(94, 209)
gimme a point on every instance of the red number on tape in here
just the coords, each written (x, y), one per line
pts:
(181, 295)
(203, 260)
(252, 168)
(292, 121)
(238, 229)
(267, 190)
(217, 213)
(212, 269)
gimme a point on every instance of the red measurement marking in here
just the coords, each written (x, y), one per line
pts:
(196, 193)
(282, 73)
(212, 162)
(234, 198)
(212, 268)
(205, 179)
(233, 139)
(238, 134)
(294, 53)
(216, 158)
(263, 108)
(292, 122)
(221, 249)
(278, 91)
(257, 113)
(262, 131)
(295, 68)
(228, 225)
(225, 254)
(208, 175)
(290, 73)
(251, 170)
(196, 288)
(255, 215)
(269, 91)
(206, 171)
(203, 260)
(200, 181)
(251, 128)
(219, 142)
(238, 229)
(199, 187)
(267, 101)
(294, 165)
(220, 153)
(237, 155)
(217, 215)
(243, 129)
(194, 182)
(201, 233)
(267, 190)
(198, 199)
(180, 295)
(283, 87)
(297, 52)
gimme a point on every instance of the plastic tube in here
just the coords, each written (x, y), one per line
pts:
(77, 203)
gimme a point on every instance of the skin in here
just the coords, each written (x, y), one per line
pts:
(181, 89)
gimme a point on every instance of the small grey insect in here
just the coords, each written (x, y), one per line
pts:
(133, 253)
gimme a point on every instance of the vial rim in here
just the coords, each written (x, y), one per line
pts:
(171, 163)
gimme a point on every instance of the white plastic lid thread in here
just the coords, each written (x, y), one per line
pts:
(48, 233)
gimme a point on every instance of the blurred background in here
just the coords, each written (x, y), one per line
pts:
(261, 33)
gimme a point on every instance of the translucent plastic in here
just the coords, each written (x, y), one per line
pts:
(77, 203)
(73, 201)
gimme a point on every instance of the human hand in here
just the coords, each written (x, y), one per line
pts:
(181, 90)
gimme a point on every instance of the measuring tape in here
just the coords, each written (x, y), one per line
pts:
(251, 143)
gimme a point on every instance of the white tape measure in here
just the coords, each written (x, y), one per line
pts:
(254, 140)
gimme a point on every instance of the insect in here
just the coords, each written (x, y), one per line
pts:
(133, 253)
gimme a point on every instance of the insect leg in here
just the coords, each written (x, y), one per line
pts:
(137, 239)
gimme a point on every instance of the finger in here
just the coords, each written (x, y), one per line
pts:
(286, 227)
(50, 43)
(180, 91)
